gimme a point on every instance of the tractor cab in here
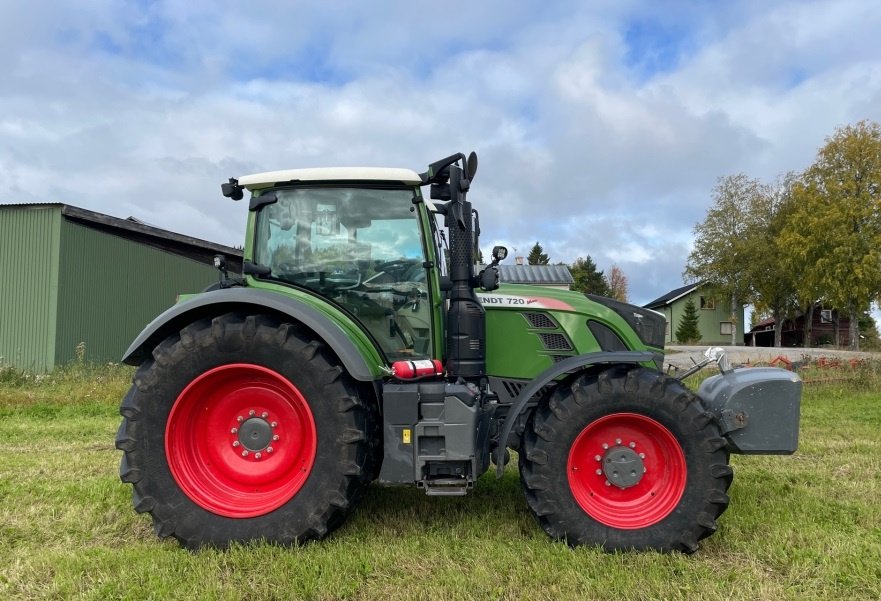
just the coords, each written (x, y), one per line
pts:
(353, 237)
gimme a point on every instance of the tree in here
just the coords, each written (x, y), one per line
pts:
(869, 338)
(688, 331)
(721, 256)
(587, 278)
(617, 284)
(772, 280)
(835, 225)
(537, 256)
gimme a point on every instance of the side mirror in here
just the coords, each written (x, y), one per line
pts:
(232, 189)
(499, 254)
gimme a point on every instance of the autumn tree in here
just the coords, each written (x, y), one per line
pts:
(688, 331)
(834, 228)
(720, 258)
(537, 256)
(587, 278)
(617, 284)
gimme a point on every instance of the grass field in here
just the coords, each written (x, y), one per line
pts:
(801, 527)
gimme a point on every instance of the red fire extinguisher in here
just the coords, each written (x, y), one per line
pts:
(406, 370)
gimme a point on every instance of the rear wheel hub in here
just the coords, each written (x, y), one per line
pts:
(240, 440)
(255, 434)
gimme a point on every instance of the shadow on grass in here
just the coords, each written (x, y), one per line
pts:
(492, 506)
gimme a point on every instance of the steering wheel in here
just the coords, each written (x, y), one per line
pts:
(398, 268)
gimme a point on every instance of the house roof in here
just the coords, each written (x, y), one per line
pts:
(534, 274)
(672, 296)
(138, 231)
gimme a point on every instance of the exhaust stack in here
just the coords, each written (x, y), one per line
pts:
(466, 318)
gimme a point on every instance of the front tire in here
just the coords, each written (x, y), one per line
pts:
(625, 459)
(241, 429)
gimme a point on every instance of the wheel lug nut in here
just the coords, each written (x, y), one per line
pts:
(605, 445)
(275, 437)
(234, 431)
(274, 424)
(235, 444)
(632, 445)
(608, 483)
(257, 455)
(617, 441)
(252, 413)
(599, 472)
(642, 455)
(268, 449)
(597, 457)
(240, 419)
(245, 453)
(264, 415)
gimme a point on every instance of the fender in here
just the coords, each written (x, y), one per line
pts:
(212, 303)
(558, 369)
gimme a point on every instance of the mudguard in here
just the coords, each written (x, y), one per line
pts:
(558, 369)
(232, 299)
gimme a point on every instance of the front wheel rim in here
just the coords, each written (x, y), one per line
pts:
(240, 440)
(651, 484)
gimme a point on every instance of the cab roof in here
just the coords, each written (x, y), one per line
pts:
(330, 174)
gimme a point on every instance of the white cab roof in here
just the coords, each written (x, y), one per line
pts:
(329, 174)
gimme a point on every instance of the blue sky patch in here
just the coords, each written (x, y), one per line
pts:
(654, 47)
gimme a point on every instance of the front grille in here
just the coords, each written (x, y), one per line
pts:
(555, 342)
(540, 321)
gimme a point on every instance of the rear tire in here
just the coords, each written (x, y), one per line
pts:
(241, 429)
(625, 459)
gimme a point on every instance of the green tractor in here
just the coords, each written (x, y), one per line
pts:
(360, 346)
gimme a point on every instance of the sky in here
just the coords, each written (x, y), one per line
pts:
(601, 127)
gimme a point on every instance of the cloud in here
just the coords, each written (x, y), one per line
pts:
(601, 127)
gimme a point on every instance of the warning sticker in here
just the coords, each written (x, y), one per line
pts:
(405, 435)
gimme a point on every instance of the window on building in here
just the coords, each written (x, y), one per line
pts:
(726, 328)
(708, 302)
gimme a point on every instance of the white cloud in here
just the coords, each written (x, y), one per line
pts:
(144, 109)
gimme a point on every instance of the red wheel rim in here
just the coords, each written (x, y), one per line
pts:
(240, 440)
(647, 446)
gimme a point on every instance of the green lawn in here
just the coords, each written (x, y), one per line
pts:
(801, 527)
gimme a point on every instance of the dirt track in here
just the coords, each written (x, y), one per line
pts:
(682, 356)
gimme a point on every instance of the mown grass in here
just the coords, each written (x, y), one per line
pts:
(801, 527)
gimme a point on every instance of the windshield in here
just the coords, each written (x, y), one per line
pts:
(361, 248)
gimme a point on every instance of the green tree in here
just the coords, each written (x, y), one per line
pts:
(721, 254)
(772, 280)
(869, 338)
(537, 256)
(834, 229)
(688, 331)
(587, 278)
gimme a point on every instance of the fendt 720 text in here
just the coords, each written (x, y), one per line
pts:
(362, 344)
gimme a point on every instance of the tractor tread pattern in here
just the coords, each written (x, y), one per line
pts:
(320, 506)
(556, 422)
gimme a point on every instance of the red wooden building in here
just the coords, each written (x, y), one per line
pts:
(823, 325)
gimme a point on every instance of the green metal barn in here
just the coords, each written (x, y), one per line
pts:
(71, 277)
